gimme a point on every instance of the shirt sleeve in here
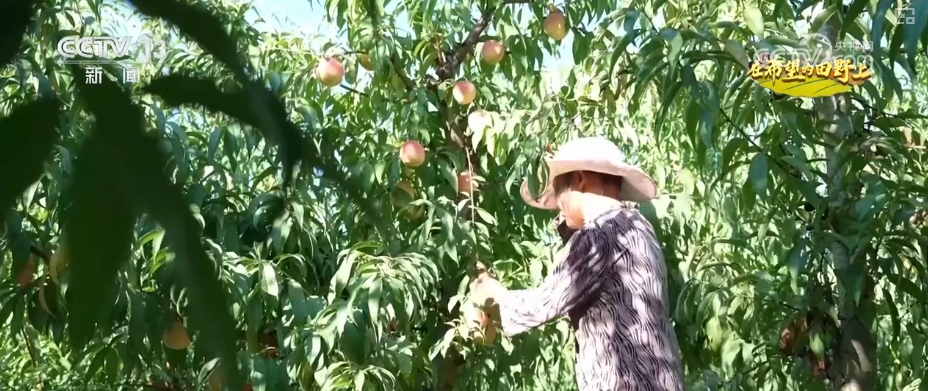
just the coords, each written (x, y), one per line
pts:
(574, 282)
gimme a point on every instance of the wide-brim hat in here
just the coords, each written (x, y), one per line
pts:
(595, 154)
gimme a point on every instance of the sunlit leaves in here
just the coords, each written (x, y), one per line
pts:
(262, 106)
(739, 264)
(758, 173)
(754, 19)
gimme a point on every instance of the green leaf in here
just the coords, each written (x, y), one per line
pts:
(758, 173)
(139, 163)
(668, 96)
(913, 31)
(736, 49)
(99, 224)
(244, 105)
(853, 11)
(15, 17)
(754, 19)
(178, 90)
(877, 26)
(910, 288)
(201, 25)
(27, 137)
(373, 300)
(816, 341)
(269, 280)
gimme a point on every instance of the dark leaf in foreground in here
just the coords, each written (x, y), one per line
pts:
(15, 17)
(178, 90)
(27, 138)
(198, 23)
(99, 223)
(140, 163)
(255, 106)
(918, 12)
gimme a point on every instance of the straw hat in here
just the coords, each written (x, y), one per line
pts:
(593, 154)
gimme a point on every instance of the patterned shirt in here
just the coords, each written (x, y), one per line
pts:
(612, 286)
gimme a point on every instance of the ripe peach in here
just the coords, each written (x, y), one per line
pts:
(410, 195)
(365, 61)
(466, 183)
(556, 25)
(464, 92)
(28, 273)
(492, 52)
(330, 72)
(412, 153)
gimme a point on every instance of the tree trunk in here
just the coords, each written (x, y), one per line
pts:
(853, 366)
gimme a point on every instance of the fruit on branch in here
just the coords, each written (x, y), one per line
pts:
(248, 387)
(555, 25)
(365, 61)
(175, 336)
(478, 120)
(330, 72)
(28, 273)
(492, 52)
(412, 153)
(403, 195)
(466, 183)
(819, 365)
(549, 149)
(793, 332)
(269, 341)
(464, 92)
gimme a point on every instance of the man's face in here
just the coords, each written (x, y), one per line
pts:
(570, 199)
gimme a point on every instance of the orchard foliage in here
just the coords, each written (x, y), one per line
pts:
(257, 210)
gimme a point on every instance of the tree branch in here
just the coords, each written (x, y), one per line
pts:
(350, 89)
(410, 85)
(464, 48)
(451, 66)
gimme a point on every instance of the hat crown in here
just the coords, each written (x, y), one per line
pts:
(590, 148)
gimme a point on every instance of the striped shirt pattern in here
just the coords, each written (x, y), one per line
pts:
(612, 287)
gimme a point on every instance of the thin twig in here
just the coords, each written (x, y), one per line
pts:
(29, 347)
(752, 142)
(351, 89)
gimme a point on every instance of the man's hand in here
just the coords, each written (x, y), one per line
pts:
(483, 286)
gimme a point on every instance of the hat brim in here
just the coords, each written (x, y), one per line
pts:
(637, 186)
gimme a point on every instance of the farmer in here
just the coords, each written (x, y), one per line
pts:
(611, 280)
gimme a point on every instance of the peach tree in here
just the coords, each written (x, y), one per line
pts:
(288, 210)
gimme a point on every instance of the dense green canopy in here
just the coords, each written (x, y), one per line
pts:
(232, 201)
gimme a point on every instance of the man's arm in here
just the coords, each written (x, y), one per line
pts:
(574, 282)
